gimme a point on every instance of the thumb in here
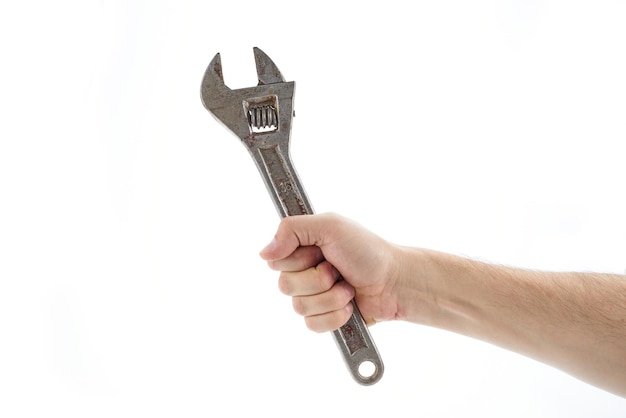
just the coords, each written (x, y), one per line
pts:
(294, 232)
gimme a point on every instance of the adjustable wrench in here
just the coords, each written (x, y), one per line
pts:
(261, 118)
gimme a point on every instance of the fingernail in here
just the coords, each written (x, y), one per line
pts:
(351, 292)
(349, 308)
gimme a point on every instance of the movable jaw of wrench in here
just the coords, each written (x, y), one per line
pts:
(261, 118)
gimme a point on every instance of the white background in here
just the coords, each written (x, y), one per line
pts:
(130, 282)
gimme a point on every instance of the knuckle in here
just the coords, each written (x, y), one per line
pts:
(313, 324)
(327, 322)
(284, 285)
(273, 265)
(342, 317)
(339, 298)
(325, 276)
(343, 295)
(298, 305)
(306, 256)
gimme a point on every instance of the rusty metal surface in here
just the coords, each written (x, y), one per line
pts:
(261, 118)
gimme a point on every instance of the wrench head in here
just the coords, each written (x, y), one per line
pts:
(258, 115)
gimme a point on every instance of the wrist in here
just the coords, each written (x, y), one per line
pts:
(413, 288)
(436, 289)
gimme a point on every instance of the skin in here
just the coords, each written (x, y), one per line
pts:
(572, 321)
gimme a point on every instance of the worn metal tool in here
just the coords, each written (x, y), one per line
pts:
(261, 118)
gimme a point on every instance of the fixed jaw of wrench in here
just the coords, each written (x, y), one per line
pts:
(261, 118)
(266, 109)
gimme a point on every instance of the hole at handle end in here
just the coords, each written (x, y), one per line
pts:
(367, 369)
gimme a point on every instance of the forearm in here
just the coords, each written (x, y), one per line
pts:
(575, 322)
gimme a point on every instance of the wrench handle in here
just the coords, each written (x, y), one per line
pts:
(353, 338)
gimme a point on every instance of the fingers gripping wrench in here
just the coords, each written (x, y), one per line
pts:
(261, 118)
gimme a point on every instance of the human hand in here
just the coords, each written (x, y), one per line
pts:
(511, 308)
(313, 252)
